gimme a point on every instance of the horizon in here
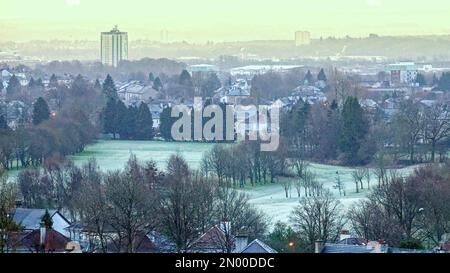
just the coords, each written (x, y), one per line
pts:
(210, 20)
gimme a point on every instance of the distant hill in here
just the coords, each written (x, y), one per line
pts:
(421, 48)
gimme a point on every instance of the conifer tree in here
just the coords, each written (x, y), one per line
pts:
(41, 112)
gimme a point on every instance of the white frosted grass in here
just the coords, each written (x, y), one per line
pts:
(113, 155)
(272, 198)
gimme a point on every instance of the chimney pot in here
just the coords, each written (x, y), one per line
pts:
(319, 246)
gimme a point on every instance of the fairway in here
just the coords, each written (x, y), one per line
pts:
(113, 155)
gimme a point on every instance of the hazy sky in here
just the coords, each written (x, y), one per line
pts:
(219, 20)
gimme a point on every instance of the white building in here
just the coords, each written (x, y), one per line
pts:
(114, 47)
(252, 70)
(403, 73)
(202, 70)
(134, 92)
(302, 38)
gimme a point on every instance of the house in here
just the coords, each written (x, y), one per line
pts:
(89, 240)
(214, 240)
(237, 92)
(218, 239)
(39, 240)
(258, 247)
(156, 110)
(345, 246)
(30, 220)
(135, 92)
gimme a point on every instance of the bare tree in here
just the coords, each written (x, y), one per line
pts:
(92, 207)
(339, 184)
(133, 205)
(372, 221)
(177, 204)
(437, 125)
(301, 168)
(8, 197)
(233, 207)
(286, 183)
(408, 124)
(318, 218)
(358, 176)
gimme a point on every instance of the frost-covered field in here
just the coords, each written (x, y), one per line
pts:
(272, 198)
(112, 155)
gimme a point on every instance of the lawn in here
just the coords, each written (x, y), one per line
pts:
(270, 198)
(113, 155)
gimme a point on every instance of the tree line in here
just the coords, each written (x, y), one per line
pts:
(118, 208)
(406, 212)
(350, 135)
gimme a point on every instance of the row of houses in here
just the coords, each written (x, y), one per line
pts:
(66, 237)
(353, 244)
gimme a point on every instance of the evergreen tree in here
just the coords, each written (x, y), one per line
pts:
(185, 78)
(14, 86)
(122, 119)
(53, 83)
(435, 80)
(321, 76)
(41, 112)
(444, 82)
(130, 125)
(309, 79)
(47, 221)
(31, 83)
(110, 119)
(421, 80)
(354, 130)
(79, 85)
(144, 123)
(157, 84)
(211, 84)
(334, 105)
(109, 88)
(97, 84)
(39, 83)
(151, 77)
(3, 123)
(166, 122)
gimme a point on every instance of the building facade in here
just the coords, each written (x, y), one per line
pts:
(114, 47)
(403, 73)
(302, 38)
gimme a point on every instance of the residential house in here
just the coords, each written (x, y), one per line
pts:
(30, 220)
(258, 247)
(135, 93)
(219, 239)
(37, 241)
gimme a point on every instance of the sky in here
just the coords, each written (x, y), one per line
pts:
(220, 20)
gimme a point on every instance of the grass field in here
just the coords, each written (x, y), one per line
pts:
(113, 155)
(270, 198)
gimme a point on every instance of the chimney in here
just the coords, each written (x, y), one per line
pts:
(319, 246)
(42, 236)
(345, 234)
(241, 242)
(376, 246)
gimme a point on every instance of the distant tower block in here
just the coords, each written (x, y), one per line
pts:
(302, 38)
(114, 47)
